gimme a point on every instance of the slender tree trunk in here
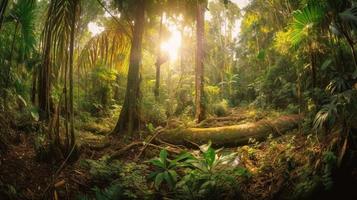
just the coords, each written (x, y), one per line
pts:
(158, 63)
(34, 84)
(44, 85)
(3, 6)
(199, 78)
(129, 118)
(71, 52)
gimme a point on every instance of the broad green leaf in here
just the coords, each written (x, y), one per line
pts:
(209, 156)
(163, 156)
(173, 175)
(183, 156)
(157, 163)
(169, 179)
(158, 180)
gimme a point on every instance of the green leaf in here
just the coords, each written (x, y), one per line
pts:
(169, 179)
(158, 180)
(163, 156)
(157, 163)
(304, 21)
(183, 156)
(23, 101)
(152, 175)
(34, 114)
(209, 156)
(326, 64)
(173, 175)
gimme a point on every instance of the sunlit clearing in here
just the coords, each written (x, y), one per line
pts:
(95, 29)
(173, 44)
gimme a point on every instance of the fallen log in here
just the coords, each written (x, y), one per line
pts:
(231, 135)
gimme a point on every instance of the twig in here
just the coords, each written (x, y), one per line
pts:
(194, 144)
(169, 144)
(148, 142)
(58, 171)
(132, 145)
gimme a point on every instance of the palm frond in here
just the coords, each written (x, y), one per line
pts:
(304, 21)
(326, 117)
(24, 13)
(110, 48)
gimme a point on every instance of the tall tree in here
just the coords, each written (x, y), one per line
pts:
(129, 118)
(71, 54)
(57, 67)
(199, 78)
(159, 61)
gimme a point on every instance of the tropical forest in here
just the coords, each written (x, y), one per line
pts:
(178, 99)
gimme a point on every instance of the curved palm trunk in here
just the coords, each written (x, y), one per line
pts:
(199, 78)
(129, 118)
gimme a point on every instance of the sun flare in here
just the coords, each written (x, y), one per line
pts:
(173, 44)
(95, 29)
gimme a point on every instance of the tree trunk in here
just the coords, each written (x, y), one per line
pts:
(158, 63)
(44, 78)
(129, 118)
(231, 135)
(34, 88)
(313, 69)
(71, 49)
(3, 6)
(199, 78)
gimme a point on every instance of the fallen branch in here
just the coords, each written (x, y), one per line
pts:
(148, 142)
(120, 152)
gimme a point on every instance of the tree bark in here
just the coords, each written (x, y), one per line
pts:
(34, 88)
(71, 51)
(44, 75)
(200, 113)
(231, 135)
(129, 118)
(158, 63)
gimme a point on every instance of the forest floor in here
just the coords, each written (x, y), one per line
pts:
(279, 167)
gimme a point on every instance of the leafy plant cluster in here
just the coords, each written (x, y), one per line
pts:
(210, 175)
(116, 180)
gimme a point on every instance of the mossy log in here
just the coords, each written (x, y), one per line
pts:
(231, 135)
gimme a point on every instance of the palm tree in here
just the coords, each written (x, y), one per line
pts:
(23, 15)
(304, 33)
(58, 53)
